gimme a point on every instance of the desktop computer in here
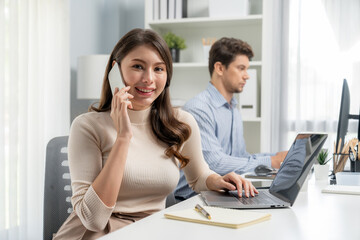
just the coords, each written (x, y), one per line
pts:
(343, 123)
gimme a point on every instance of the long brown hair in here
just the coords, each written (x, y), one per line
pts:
(166, 127)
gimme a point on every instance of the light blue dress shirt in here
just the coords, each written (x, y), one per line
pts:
(222, 139)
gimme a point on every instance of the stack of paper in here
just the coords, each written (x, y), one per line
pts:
(342, 189)
(223, 217)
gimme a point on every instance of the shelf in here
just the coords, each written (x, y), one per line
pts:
(254, 120)
(205, 22)
(190, 65)
(205, 65)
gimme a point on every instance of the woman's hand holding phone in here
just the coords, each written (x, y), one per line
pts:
(120, 103)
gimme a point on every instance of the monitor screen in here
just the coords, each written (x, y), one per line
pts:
(343, 117)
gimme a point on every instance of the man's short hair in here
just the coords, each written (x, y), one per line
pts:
(225, 51)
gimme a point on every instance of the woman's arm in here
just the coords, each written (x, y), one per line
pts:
(96, 187)
(108, 182)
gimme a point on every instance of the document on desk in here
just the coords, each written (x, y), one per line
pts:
(342, 189)
(223, 217)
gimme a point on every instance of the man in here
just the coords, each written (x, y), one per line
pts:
(218, 118)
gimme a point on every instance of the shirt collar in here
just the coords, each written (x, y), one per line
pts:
(219, 99)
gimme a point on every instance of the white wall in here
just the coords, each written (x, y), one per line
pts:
(95, 28)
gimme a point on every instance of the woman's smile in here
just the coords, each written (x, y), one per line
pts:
(145, 91)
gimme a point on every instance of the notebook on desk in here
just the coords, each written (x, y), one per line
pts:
(287, 183)
(220, 217)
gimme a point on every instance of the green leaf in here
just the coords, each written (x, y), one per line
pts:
(174, 41)
(322, 157)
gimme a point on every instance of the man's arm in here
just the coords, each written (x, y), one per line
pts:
(214, 155)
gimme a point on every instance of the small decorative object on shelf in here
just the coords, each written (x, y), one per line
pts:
(207, 43)
(175, 44)
(322, 169)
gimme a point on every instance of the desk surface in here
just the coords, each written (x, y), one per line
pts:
(314, 215)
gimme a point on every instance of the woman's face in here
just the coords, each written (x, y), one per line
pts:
(144, 71)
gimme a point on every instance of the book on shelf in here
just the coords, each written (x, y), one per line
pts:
(180, 9)
(223, 217)
(169, 9)
(156, 9)
(163, 9)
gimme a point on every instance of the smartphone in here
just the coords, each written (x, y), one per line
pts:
(115, 78)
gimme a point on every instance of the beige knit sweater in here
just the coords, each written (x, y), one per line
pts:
(149, 175)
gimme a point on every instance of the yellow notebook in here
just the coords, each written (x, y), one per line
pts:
(223, 217)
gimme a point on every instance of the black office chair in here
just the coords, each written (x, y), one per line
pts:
(170, 200)
(57, 191)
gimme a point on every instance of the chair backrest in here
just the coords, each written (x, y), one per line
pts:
(57, 199)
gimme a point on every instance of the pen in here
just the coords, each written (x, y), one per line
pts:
(198, 208)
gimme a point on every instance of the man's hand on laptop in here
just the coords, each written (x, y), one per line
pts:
(231, 182)
(278, 159)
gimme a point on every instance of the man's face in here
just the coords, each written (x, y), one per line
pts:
(235, 76)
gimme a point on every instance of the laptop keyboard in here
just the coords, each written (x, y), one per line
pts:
(263, 198)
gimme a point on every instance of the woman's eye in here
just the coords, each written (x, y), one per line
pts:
(137, 66)
(159, 69)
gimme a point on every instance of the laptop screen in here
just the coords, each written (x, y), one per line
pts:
(296, 166)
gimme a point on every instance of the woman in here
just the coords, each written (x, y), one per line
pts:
(124, 155)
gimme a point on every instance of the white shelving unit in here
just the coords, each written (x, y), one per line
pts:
(191, 74)
(205, 65)
(203, 22)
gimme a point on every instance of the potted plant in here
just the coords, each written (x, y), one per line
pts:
(175, 44)
(322, 168)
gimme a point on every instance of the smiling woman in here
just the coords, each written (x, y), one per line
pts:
(146, 65)
(124, 156)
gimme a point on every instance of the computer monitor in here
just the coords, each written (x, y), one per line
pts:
(343, 116)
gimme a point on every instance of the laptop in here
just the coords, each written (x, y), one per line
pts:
(286, 184)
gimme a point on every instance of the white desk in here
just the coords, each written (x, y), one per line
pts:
(314, 215)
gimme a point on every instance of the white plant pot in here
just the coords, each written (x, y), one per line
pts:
(321, 171)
